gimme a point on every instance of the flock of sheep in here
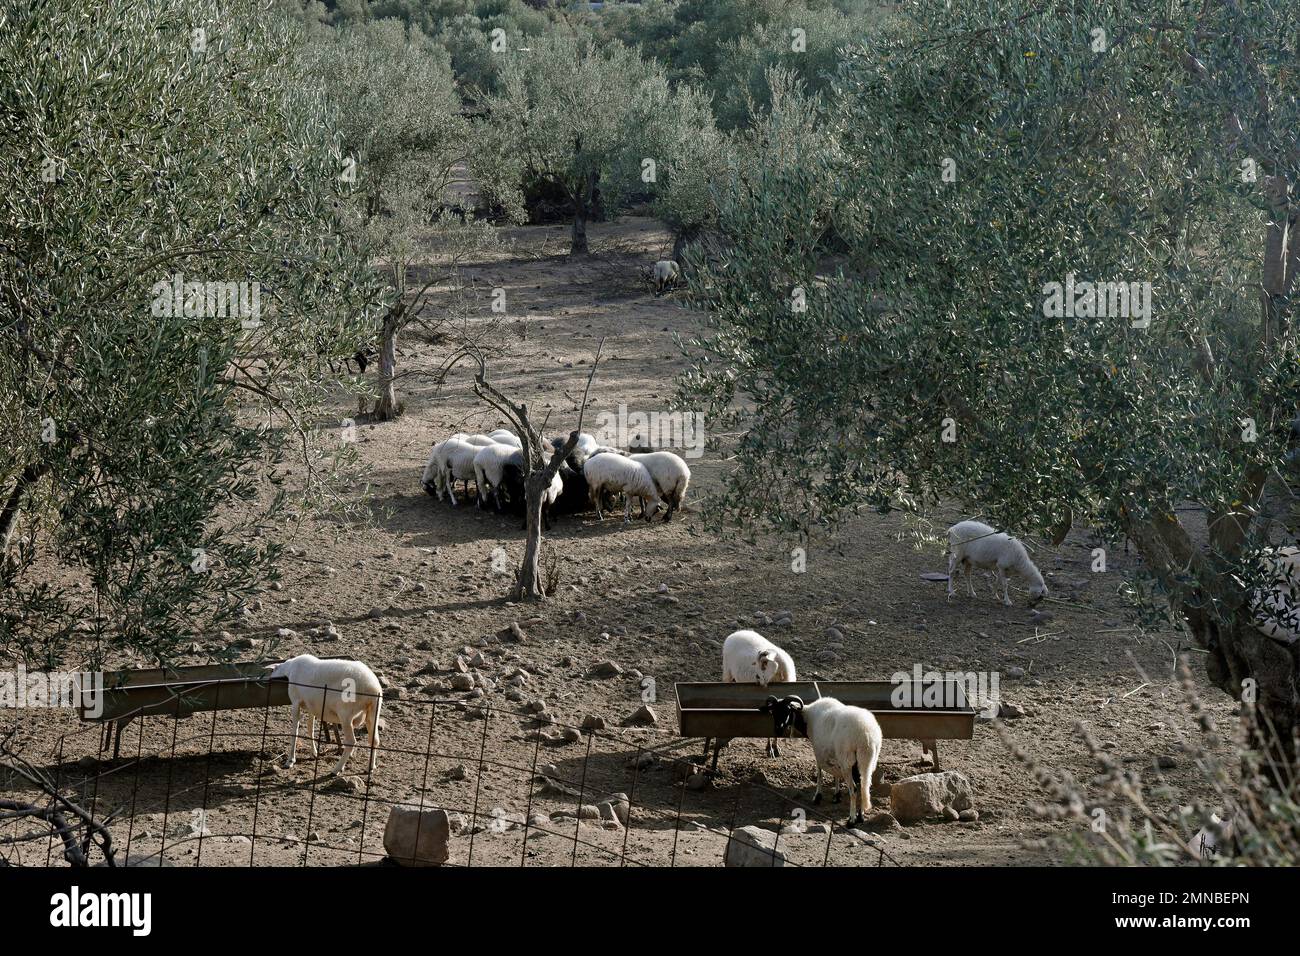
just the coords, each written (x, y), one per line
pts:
(585, 480)
(846, 740)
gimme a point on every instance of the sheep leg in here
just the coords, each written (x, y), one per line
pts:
(372, 732)
(627, 509)
(970, 580)
(1005, 583)
(294, 715)
(952, 581)
(817, 794)
(310, 720)
(350, 744)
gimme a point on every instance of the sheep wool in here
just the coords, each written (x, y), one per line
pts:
(974, 544)
(333, 692)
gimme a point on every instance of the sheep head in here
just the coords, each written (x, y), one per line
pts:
(787, 715)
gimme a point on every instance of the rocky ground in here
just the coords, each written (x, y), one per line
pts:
(415, 592)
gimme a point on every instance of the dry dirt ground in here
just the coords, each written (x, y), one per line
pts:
(411, 588)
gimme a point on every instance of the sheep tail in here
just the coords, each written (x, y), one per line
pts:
(866, 765)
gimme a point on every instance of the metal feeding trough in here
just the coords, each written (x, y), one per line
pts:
(720, 711)
(180, 692)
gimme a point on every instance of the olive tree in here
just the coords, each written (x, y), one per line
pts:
(598, 124)
(1069, 250)
(396, 104)
(175, 273)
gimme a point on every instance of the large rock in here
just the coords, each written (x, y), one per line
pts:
(925, 795)
(753, 846)
(417, 835)
(641, 717)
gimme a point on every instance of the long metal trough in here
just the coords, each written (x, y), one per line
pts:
(180, 692)
(722, 710)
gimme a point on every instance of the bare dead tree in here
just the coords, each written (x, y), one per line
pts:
(538, 472)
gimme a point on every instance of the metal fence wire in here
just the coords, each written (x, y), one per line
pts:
(213, 789)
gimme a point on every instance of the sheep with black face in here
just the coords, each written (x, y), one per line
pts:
(846, 741)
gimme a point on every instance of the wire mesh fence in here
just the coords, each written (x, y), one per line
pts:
(517, 788)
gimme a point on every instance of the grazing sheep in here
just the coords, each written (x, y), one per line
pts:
(574, 499)
(747, 658)
(975, 545)
(437, 467)
(458, 465)
(671, 477)
(489, 469)
(512, 481)
(575, 496)
(616, 473)
(666, 273)
(846, 741)
(434, 478)
(332, 692)
(549, 497)
(584, 449)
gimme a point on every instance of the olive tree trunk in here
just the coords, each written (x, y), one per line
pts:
(386, 404)
(582, 200)
(1260, 671)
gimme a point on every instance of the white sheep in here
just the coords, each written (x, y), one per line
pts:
(549, 497)
(750, 658)
(434, 478)
(671, 475)
(505, 436)
(457, 463)
(479, 440)
(333, 692)
(616, 473)
(583, 449)
(846, 741)
(974, 544)
(489, 469)
(666, 272)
